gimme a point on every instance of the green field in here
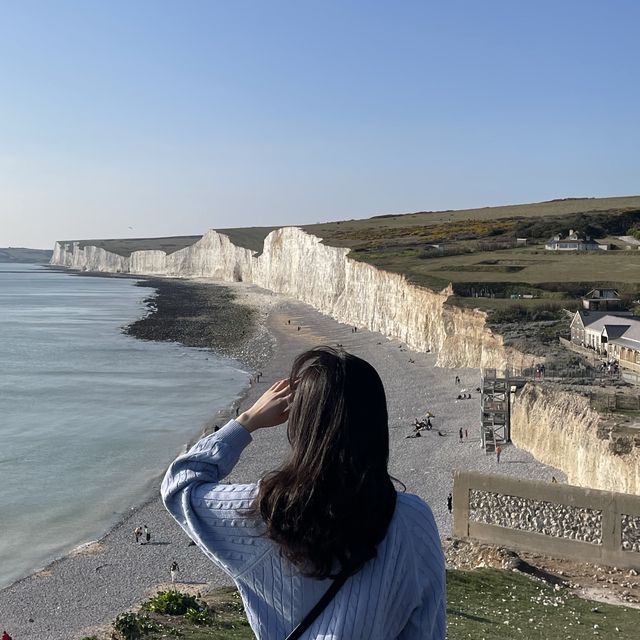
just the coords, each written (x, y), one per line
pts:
(126, 246)
(23, 255)
(487, 604)
(522, 266)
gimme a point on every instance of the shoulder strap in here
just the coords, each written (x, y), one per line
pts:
(328, 596)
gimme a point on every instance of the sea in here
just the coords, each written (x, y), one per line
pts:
(89, 417)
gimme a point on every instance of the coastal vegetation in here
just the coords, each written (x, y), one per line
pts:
(483, 603)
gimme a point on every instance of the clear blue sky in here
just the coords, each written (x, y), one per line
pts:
(175, 117)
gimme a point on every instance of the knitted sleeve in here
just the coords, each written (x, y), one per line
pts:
(215, 516)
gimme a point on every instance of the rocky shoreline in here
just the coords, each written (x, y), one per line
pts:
(204, 315)
(78, 595)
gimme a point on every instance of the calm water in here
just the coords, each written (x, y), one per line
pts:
(89, 417)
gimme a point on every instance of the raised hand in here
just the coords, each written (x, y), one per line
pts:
(270, 409)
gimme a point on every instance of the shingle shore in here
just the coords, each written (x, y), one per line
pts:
(93, 585)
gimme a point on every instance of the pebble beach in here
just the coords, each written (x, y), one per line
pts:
(80, 594)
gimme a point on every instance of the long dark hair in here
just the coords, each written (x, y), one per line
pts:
(331, 502)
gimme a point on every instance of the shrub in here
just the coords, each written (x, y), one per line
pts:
(172, 603)
(131, 626)
(202, 617)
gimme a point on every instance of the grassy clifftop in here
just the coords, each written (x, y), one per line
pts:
(24, 255)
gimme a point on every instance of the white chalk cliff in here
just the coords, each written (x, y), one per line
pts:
(297, 264)
(561, 429)
(557, 427)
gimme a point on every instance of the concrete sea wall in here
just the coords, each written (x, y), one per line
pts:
(297, 264)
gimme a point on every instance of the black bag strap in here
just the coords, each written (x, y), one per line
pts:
(321, 605)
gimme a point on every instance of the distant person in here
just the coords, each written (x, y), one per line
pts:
(174, 569)
(553, 479)
(429, 425)
(298, 327)
(137, 532)
(285, 552)
(147, 535)
(215, 428)
(498, 453)
(460, 432)
(237, 411)
(466, 434)
(450, 502)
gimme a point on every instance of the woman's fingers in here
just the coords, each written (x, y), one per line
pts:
(280, 384)
(270, 409)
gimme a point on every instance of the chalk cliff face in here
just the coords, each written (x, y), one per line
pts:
(560, 429)
(297, 264)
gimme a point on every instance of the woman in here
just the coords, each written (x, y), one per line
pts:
(329, 515)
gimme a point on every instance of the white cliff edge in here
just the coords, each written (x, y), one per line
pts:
(561, 429)
(297, 264)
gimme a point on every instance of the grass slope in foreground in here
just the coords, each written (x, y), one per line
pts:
(487, 604)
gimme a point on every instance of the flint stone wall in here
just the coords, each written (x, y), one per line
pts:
(538, 516)
(555, 519)
(630, 533)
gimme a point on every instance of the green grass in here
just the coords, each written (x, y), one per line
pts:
(126, 246)
(23, 255)
(496, 605)
(536, 210)
(535, 266)
(230, 622)
(484, 604)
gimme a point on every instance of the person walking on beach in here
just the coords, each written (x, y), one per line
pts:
(327, 526)
(174, 569)
(466, 434)
(450, 502)
(147, 535)
(137, 532)
(460, 434)
(498, 452)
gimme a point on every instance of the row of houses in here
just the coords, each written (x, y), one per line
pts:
(615, 336)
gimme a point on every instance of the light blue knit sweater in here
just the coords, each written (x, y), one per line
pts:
(398, 594)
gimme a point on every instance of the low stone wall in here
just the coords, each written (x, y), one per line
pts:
(555, 519)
